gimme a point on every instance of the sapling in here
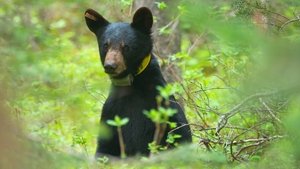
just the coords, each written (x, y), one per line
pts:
(119, 122)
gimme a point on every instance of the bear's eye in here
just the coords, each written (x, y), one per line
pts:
(125, 48)
(105, 47)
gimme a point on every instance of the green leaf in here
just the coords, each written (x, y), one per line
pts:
(111, 122)
(124, 121)
(126, 2)
(172, 124)
(118, 121)
(172, 137)
(161, 5)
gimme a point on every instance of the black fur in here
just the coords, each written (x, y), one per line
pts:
(131, 101)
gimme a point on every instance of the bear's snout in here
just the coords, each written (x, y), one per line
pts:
(110, 67)
(114, 63)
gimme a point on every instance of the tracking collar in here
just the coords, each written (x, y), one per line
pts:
(127, 80)
(143, 65)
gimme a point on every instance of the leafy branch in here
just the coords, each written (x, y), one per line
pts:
(119, 122)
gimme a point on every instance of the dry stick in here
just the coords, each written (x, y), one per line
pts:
(121, 142)
(130, 9)
(213, 88)
(284, 104)
(195, 43)
(288, 22)
(270, 110)
(156, 133)
(206, 143)
(220, 142)
(171, 131)
(160, 129)
(258, 141)
(162, 132)
(231, 143)
(246, 147)
(172, 22)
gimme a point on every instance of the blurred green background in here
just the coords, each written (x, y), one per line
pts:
(239, 82)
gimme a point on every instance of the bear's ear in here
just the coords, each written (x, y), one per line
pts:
(94, 20)
(143, 20)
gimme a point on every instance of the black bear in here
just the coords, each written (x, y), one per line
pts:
(125, 53)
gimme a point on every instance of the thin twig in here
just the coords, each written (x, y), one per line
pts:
(195, 43)
(266, 10)
(121, 142)
(231, 143)
(270, 110)
(246, 147)
(224, 118)
(288, 22)
(179, 127)
(191, 98)
(89, 92)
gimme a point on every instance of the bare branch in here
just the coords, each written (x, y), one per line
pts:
(195, 43)
(224, 118)
(251, 140)
(270, 111)
(257, 142)
(288, 22)
(191, 98)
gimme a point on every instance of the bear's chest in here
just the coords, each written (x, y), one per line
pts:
(139, 131)
(132, 106)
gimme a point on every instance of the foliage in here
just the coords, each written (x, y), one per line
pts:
(160, 118)
(240, 83)
(161, 5)
(118, 122)
(161, 115)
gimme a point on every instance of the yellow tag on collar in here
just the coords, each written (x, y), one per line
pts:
(144, 64)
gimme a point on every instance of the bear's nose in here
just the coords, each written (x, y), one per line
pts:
(110, 67)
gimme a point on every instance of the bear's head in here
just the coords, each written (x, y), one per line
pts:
(123, 46)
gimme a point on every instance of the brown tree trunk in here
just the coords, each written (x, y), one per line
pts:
(165, 45)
